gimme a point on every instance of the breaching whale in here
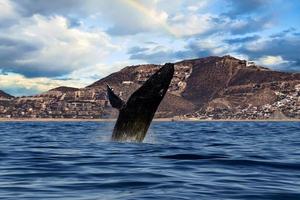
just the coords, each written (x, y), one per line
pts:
(136, 114)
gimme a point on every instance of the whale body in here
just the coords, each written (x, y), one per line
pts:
(136, 114)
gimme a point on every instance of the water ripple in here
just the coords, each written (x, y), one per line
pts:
(178, 160)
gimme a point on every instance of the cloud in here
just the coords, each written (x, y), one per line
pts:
(124, 17)
(152, 53)
(7, 10)
(137, 49)
(249, 25)
(238, 7)
(28, 7)
(195, 48)
(192, 24)
(135, 17)
(296, 34)
(284, 33)
(195, 6)
(157, 57)
(47, 46)
(207, 47)
(249, 16)
(208, 24)
(241, 40)
(8, 14)
(88, 75)
(287, 47)
(128, 17)
(271, 60)
(284, 51)
(281, 53)
(17, 84)
(242, 17)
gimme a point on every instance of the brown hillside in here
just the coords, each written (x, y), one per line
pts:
(4, 95)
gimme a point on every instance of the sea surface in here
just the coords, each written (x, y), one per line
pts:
(178, 160)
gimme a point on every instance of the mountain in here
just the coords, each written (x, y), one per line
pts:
(211, 87)
(4, 95)
(216, 87)
(59, 91)
(64, 89)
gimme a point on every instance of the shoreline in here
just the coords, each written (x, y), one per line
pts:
(155, 120)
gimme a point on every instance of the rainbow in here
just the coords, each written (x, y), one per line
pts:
(141, 8)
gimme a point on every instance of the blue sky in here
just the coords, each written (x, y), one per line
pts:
(45, 44)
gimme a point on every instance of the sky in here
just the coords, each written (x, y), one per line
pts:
(46, 44)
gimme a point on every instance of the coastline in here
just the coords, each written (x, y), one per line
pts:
(155, 119)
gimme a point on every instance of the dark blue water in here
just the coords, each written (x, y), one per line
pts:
(184, 160)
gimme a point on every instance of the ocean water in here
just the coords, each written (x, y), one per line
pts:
(178, 160)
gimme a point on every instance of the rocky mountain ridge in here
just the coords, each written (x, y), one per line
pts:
(211, 87)
(4, 95)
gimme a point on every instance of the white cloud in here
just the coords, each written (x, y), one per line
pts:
(272, 60)
(257, 45)
(192, 24)
(131, 17)
(59, 48)
(126, 17)
(7, 10)
(195, 6)
(91, 74)
(214, 45)
(18, 82)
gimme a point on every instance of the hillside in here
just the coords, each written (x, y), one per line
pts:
(64, 89)
(216, 87)
(4, 95)
(211, 87)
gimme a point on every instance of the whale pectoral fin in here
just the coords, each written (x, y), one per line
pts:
(114, 100)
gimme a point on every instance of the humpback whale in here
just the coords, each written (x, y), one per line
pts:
(136, 114)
